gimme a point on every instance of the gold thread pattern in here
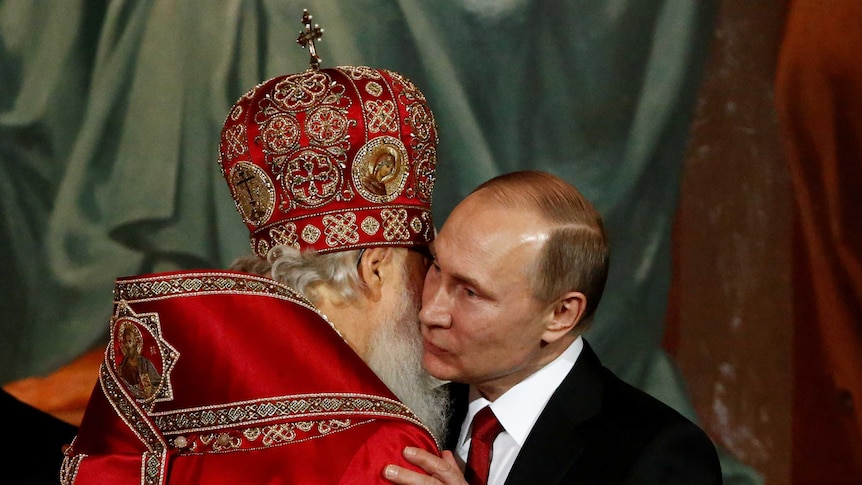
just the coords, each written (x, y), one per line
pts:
(284, 234)
(69, 468)
(370, 225)
(310, 234)
(234, 138)
(374, 89)
(166, 286)
(360, 72)
(312, 178)
(255, 438)
(300, 90)
(382, 116)
(340, 229)
(326, 125)
(253, 193)
(280, 133)
(295, 408)
(395, 224)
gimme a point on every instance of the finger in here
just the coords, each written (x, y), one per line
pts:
(449, 457)
(445, 469)
(403, 476)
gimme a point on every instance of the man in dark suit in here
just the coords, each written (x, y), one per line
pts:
(520, 266)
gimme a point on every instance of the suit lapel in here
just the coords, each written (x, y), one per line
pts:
(554, 443)
(459, 400)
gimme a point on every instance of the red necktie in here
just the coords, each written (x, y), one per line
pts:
(485, 430)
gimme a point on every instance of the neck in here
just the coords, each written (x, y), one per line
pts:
(547, 352)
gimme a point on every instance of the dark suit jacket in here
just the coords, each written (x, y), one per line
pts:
(597, 429)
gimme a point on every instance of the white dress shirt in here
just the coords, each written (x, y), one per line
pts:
(517, 410)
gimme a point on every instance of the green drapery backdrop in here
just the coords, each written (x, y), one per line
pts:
(110, 115)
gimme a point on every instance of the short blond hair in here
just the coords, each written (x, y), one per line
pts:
(576, 255)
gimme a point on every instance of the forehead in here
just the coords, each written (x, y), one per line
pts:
(489, 243)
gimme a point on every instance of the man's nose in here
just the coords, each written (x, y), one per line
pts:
(434, 311)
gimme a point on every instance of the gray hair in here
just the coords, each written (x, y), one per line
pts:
(306, 271)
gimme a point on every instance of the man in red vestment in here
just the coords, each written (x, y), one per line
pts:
(301, 364)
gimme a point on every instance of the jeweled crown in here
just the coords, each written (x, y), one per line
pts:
(332, 159)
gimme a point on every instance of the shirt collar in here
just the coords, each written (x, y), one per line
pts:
(519, 407)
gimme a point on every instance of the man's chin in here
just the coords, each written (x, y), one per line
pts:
(435, 368)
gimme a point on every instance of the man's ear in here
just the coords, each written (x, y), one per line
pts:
(567, 312)
(373, 269)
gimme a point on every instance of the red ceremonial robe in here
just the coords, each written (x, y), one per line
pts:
(252, 385)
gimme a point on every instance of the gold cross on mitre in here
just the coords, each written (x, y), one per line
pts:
(308, 36)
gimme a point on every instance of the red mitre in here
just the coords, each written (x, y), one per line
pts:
(332, 159)
(221, 378)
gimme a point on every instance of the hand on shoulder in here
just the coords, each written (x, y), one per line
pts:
(440, 470)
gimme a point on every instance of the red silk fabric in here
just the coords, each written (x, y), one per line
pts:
(256, 387)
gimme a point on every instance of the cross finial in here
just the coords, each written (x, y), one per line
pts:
(308, 36)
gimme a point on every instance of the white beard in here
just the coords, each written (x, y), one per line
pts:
(396, 357)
